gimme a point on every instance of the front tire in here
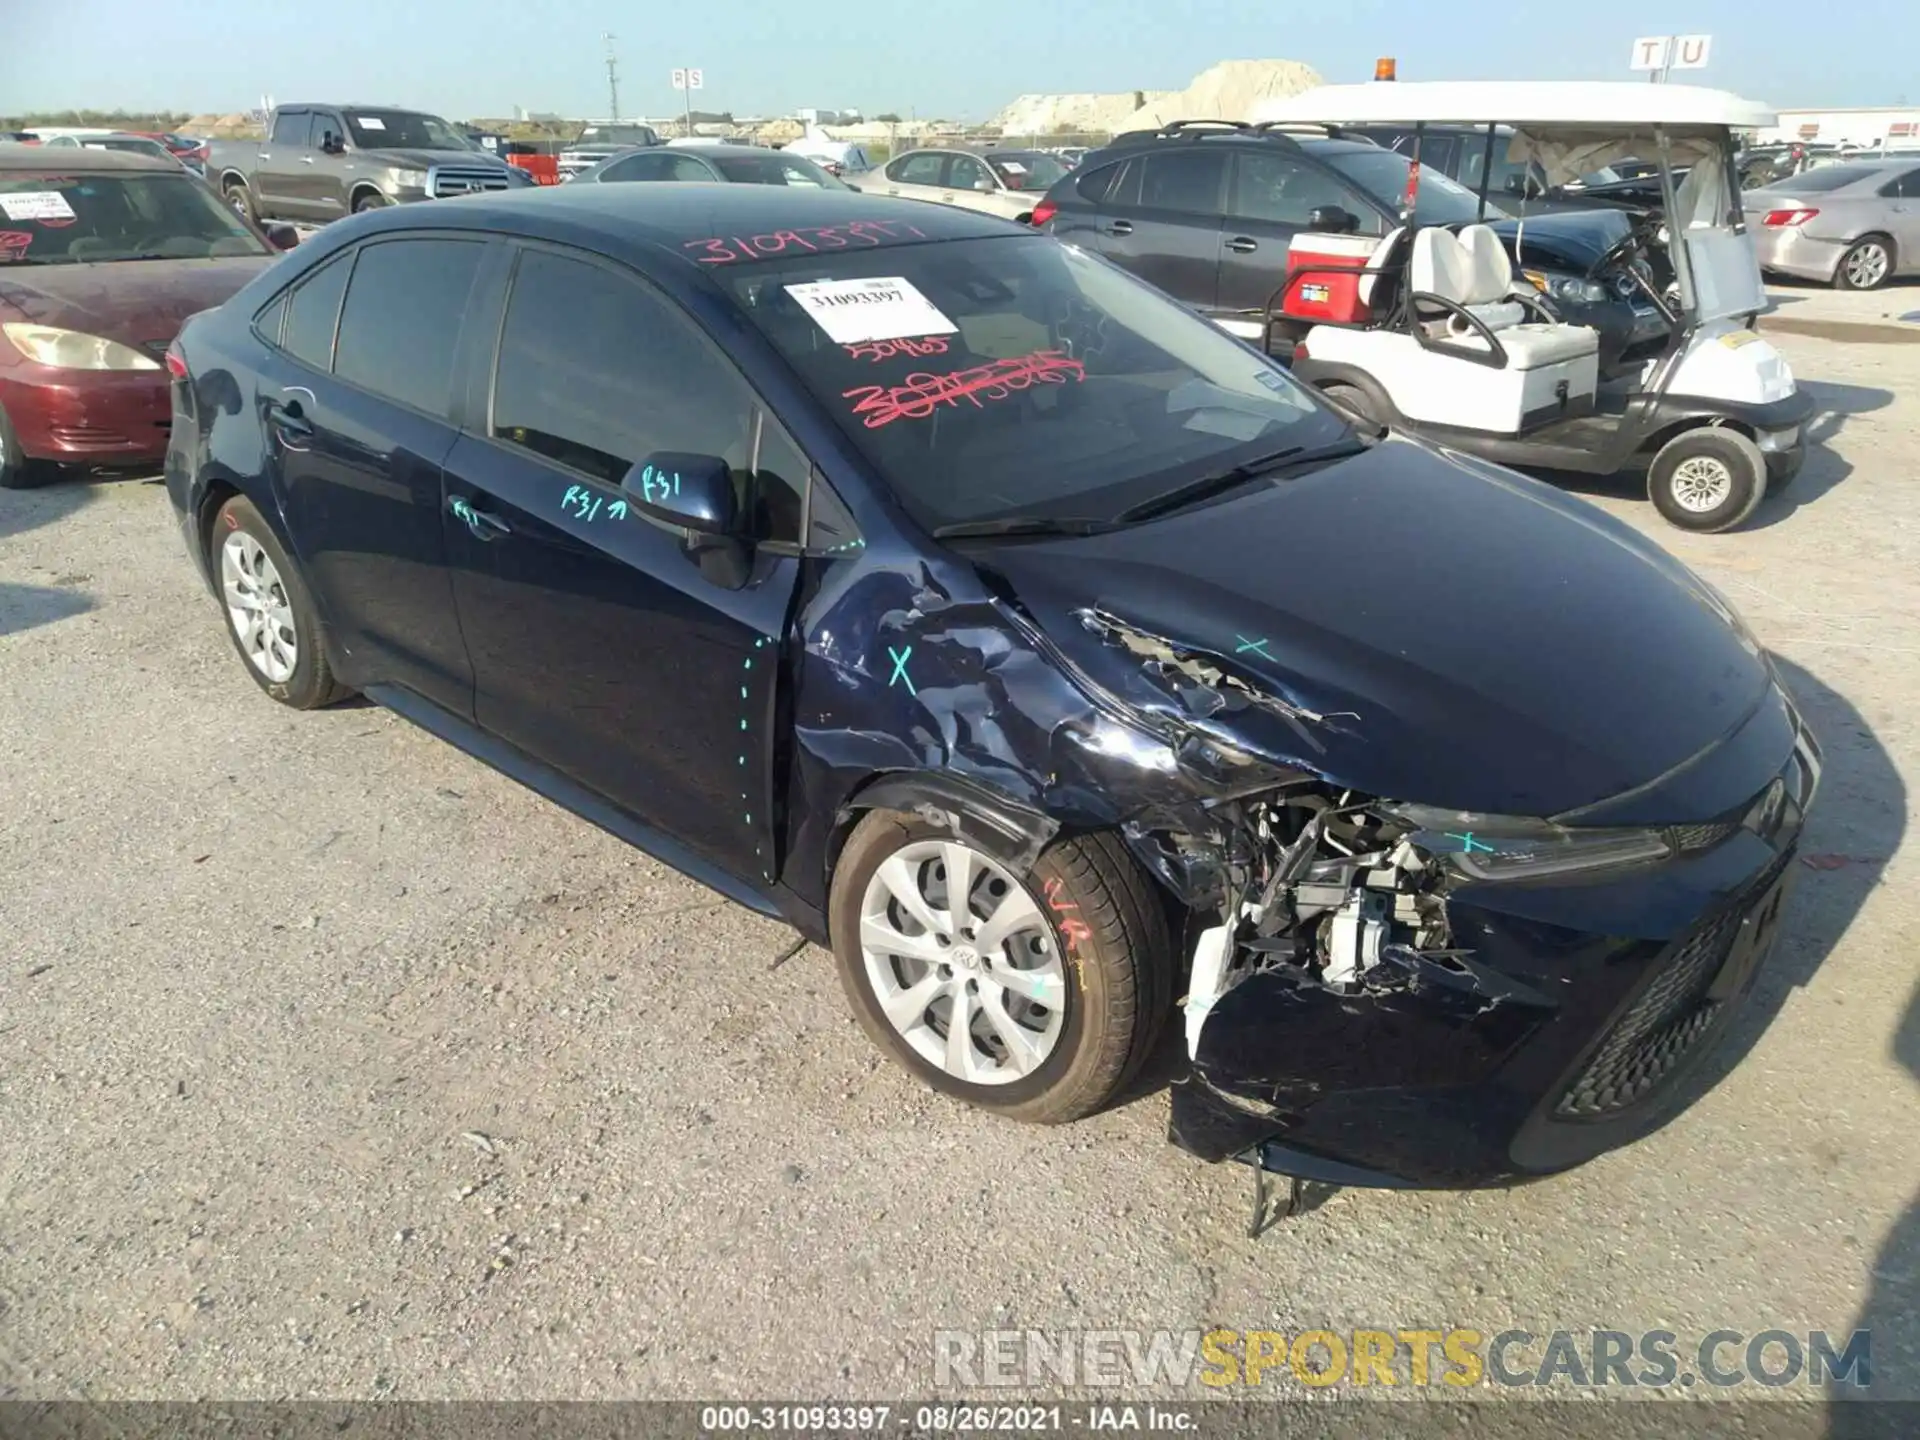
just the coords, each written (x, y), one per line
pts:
(370, 200)
(1708, 480)
(271, 618)
(17, 472)
(241, 199)
(1866, 266)
(1062, 980)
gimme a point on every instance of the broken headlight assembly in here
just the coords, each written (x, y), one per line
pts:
(1495, 848)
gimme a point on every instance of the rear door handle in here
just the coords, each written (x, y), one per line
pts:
(482, 525)
(1243, 245)
(1117, 227)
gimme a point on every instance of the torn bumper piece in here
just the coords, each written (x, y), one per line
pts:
(1565, 1031)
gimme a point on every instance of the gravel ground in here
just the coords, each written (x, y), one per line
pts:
(334, 1064)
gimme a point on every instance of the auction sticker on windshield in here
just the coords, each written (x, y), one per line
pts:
(884, 307)
(36, 205)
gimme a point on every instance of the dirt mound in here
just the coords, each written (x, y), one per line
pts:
(1227, 91)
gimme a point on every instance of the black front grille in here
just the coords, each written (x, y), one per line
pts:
(1663, 1025)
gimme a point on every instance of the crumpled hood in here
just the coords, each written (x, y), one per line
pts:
(1416, 624)
(137, 302)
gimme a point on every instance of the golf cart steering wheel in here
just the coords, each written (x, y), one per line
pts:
(1619, 255)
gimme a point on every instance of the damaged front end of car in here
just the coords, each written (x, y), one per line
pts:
(1391, 994)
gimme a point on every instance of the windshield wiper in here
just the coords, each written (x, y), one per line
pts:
(1022, 525)
(1219, 483)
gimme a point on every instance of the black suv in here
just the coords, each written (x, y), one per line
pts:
(1207, 209)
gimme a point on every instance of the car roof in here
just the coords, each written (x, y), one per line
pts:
(350, 105)
(67, 159)
(621, 219)
(713, 147)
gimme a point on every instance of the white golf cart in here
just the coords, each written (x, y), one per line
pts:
(1427, 330)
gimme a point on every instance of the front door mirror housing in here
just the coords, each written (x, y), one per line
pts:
(1332, 220)
(685, 491)
(332, 144)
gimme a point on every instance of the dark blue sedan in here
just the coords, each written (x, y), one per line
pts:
(1047, 653)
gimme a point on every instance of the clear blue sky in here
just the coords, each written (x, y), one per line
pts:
(482, 57)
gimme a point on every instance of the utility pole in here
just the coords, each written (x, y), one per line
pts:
(613, 79)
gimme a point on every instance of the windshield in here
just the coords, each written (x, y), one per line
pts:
(70, 220)
(1011, 376)
(1442, 200)
(1026, 172)
(402, 130)
(770, 169)
(132, 145)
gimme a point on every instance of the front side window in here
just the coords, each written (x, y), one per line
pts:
(1382, 174)
(71, 219)
(923, 168)
(968, 174)
(290, 128)
(1187, 182)
(401, 320)
(690, 168)
(595, 373)
(1014, 375)
(1286, 191)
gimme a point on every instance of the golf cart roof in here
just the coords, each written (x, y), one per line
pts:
(1526, 103)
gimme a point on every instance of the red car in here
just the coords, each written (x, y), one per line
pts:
(103, 256)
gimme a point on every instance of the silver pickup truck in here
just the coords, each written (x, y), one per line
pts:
(320, 162)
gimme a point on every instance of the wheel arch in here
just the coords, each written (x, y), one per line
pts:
(231, 177)
(364, 188)
(1009, 830)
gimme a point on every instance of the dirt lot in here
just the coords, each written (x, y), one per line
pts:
(334, 1064)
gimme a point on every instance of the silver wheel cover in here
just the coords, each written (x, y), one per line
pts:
(1701, 483)
(258, 608)
(1867, 266)
(963, 962)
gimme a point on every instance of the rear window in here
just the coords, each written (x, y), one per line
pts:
(1018, 376)
(1831, 177)
(78, 219)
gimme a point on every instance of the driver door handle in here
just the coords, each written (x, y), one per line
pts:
(481, 524)
(1243, 245)
(1117, 227)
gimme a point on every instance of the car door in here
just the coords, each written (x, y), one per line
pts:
(972, 185)
(360, 421)
(1166, 229)
(920, 175)
(1271, 196)
(276, 170)
(600, 645)
(323, 174)
(1903, 219)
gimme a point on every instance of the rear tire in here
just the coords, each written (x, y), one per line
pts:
(271, 618)
(1708, 480)
(240, 197)
(1090, 963)
(1867, 265)
(370, 200)
(17, 472)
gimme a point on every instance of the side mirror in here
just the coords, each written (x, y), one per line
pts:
(282, 237)
(332, 144)
(985, 186)
(685, 492)
(1332, 220)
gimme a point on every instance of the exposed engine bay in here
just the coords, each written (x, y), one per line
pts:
(1324, 885)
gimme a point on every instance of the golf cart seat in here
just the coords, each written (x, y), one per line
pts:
(1472, 272)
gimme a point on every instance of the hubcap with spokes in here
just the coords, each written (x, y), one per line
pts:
(1701, 483)
(963, 962)
(258, 608)
(1867, 266)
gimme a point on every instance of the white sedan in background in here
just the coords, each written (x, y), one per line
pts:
(1001, 182)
